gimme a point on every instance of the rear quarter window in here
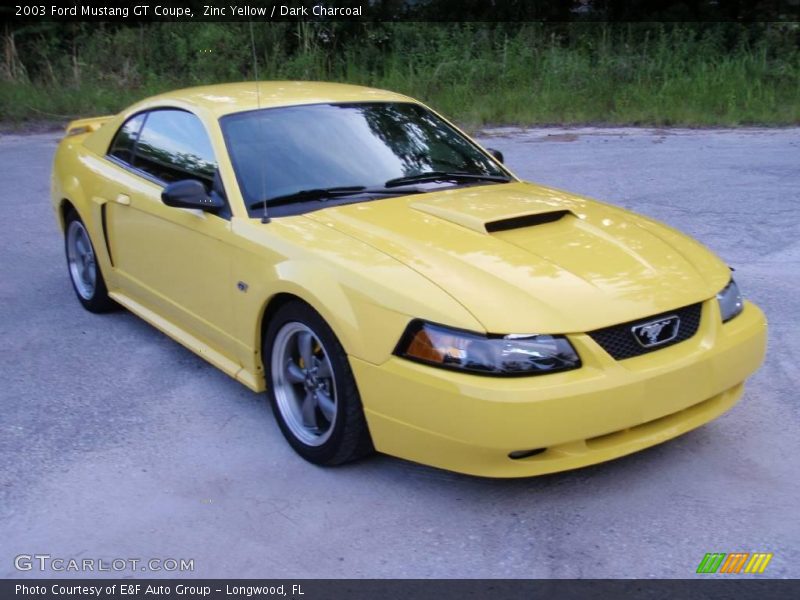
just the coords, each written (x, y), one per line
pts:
(125, 140)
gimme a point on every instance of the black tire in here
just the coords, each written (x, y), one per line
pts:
(348, 436)
(96, 300)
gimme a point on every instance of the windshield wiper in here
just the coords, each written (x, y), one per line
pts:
(312, 194)
(444, 176)
(323, 194)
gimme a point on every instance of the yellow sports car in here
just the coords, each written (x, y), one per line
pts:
(392, 286)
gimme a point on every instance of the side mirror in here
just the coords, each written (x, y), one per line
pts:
(497, 154)
(190, 193)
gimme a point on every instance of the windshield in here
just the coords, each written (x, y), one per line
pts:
(284, 155)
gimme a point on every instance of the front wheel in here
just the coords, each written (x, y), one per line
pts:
(84, 272)
(312, 389)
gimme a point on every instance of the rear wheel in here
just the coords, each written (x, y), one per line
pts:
(84, 272)
(312, 389)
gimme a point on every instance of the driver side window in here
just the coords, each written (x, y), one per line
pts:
(169, 144)
(173, 145)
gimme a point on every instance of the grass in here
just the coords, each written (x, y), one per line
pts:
(478, 74)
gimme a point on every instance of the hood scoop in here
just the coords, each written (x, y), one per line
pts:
(522, 221)
(484, 218)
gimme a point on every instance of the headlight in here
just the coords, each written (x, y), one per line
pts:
(487, 355)
(730, 301)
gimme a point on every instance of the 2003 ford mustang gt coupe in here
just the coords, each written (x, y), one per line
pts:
(392, 286)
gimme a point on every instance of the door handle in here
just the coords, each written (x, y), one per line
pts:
(123, 199)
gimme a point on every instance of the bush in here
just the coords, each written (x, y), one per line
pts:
(697, 74)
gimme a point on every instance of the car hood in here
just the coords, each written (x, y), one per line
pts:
(524, 258)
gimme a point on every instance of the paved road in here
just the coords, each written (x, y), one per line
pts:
(115, 442)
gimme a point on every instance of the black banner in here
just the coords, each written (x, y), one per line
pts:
(416, 589)
(561, 11)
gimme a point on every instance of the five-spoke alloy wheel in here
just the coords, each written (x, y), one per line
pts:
(84, 272)
(305, 388)
(312, 389)
(80, 257)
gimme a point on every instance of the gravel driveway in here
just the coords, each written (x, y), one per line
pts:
(116, 442)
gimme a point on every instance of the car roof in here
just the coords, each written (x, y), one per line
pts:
(223, 99)
(226, 98)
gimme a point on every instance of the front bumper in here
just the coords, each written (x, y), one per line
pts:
(604, 410)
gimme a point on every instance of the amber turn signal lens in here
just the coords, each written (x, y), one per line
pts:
(437, 346)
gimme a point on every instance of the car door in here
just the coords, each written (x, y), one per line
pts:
(171, 262)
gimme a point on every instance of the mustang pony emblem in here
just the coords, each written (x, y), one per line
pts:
(656, 332)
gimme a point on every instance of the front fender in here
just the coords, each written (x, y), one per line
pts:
(363, 321)
(366, 296)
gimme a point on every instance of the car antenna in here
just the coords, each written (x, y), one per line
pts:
(264, 216)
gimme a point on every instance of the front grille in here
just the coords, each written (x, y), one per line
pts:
(620, 342)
